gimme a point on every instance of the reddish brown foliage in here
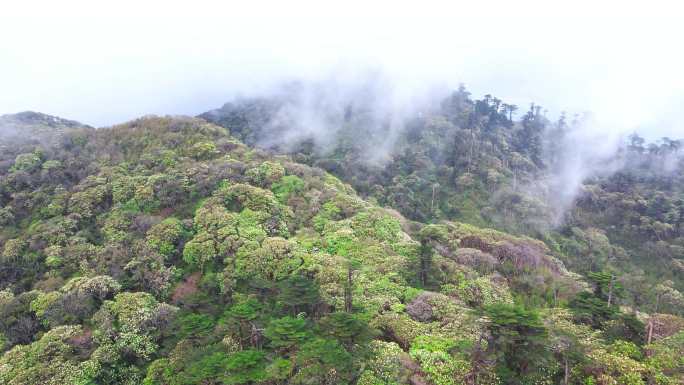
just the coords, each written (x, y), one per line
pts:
(83, 343)
(186, 288)
(665, 325)
(474, 242)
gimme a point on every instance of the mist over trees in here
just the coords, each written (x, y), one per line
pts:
(340, 236)
(444, 145)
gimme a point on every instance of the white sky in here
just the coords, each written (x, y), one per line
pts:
(108, 62)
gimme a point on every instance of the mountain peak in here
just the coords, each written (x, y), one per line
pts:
(38, 119)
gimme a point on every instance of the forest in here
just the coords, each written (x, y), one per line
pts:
(238, 247)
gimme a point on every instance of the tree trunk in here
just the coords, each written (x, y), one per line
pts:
(515, 179)
(348, 292)
(432, 203)
(650, 322)
(610, 289)
(555, 297)
(425, 256)
(472, 144)
(567, 372)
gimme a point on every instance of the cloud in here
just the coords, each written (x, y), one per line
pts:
(107, 64)
(104, 64)
(586, 150)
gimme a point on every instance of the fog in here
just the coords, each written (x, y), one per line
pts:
(103, 65)
(106, 64)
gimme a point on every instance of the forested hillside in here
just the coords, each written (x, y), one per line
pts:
(471, 160)
(165, 251)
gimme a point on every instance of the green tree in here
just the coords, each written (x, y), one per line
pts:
(165, 236)
(245, 367)
(518, 342)
(592, 310)
(241, 315)
(195, 325)
(323, 361)
(286, 332)
(286, 187)
(347, 328)
(606, 286)
(298, 293)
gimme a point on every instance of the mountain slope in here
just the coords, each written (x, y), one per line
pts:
(470, 160)
(164, 251)
(29, 127)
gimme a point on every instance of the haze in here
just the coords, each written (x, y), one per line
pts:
(107, 64)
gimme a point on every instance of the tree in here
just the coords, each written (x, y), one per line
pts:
(200, 251)
(50, 360)
(606, 286)
(245, 367)
(132, 323)
(323, 361)
(518, 342)
(625, 327)
(511, 110)
(636, 143)
(425, 261)
(194, 325)
(428, 235)
(529, 135)
(568, 350)
(242, 314)
(266, 173)
(591, 309)
(346, 328)
(298, 293)
(274, 260)
(166, 236)
(346, 247)
(286, 332)
(665, 294)
(286, 187)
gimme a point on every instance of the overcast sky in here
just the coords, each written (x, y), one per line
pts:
(108, 62)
